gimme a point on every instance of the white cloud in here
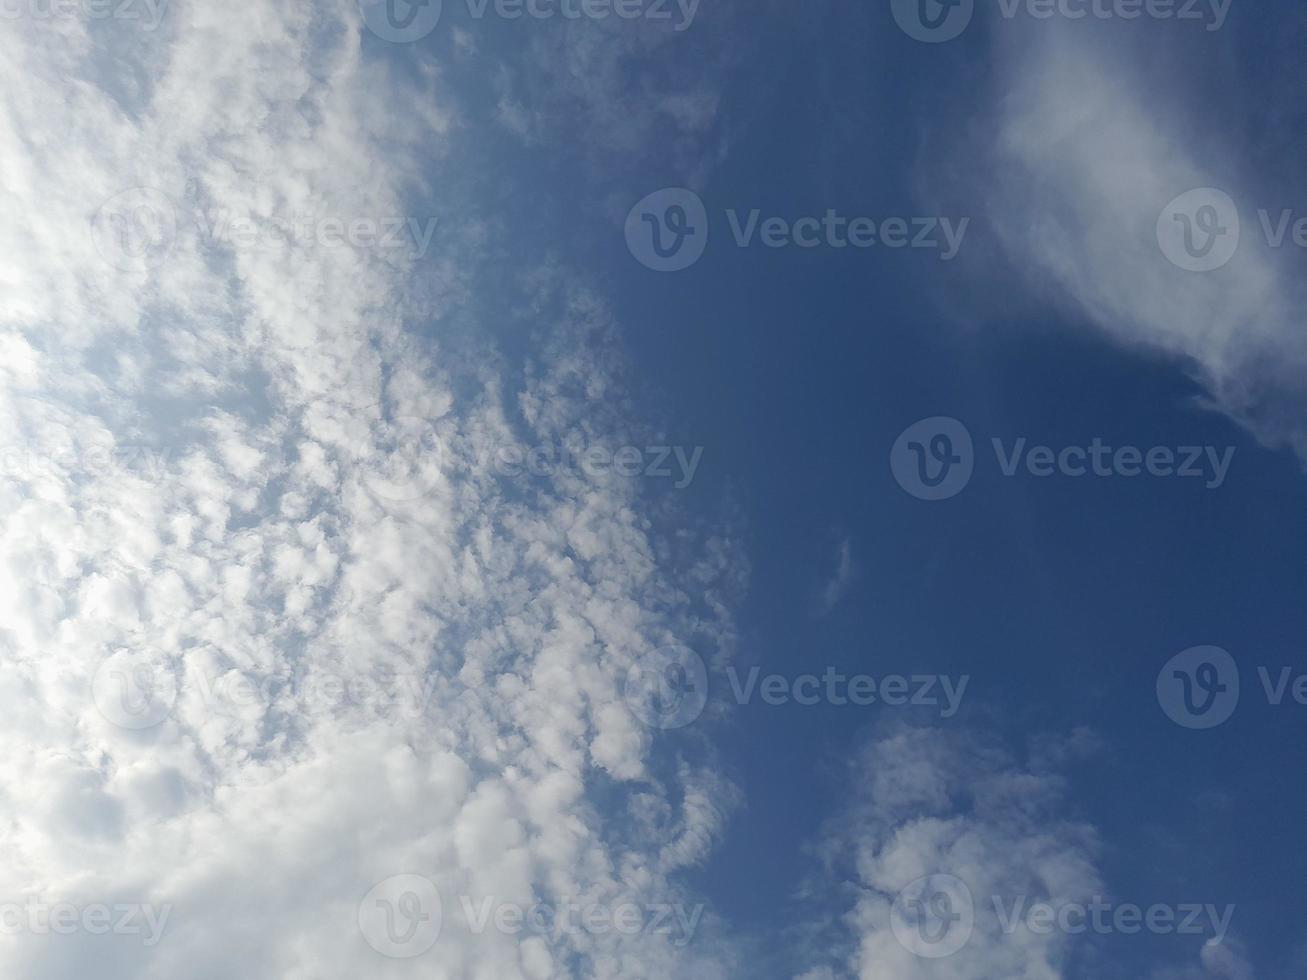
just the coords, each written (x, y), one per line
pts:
(1226, 960)
(837, 586)
(932, 802)
(1073, 153)
(200, 463)
(953, 812)
(1223, 959)
(257, 563)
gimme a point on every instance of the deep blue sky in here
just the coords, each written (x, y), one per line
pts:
(1061, 598)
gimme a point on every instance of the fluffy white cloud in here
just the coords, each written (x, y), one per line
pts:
(952, 812)
(247, 473)
(956, 860)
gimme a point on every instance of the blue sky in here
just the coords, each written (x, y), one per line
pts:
(761, 476)
(1058, 595)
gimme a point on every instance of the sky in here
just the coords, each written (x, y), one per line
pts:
(651, 489)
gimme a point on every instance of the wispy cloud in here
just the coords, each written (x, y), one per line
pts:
(1077, 165)
(841, 580)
